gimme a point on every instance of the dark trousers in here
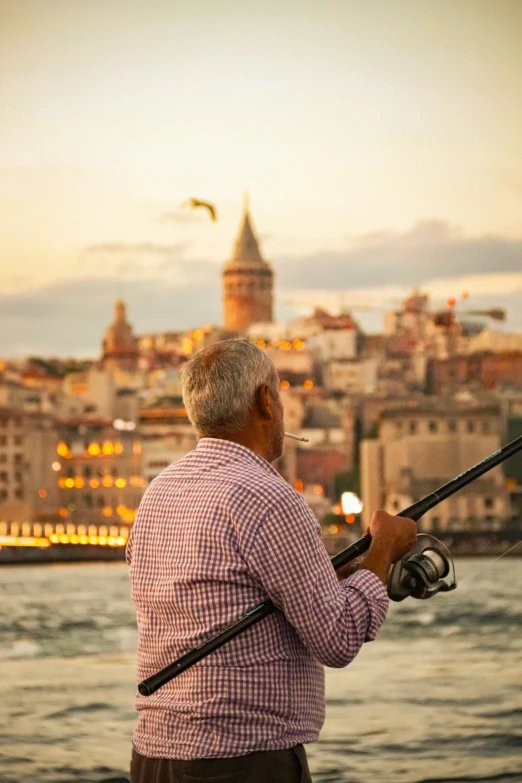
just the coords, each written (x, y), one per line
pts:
(267, 766)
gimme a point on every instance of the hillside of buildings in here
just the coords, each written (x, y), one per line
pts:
(388, 416)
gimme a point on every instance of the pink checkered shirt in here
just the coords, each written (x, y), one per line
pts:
(217, 533)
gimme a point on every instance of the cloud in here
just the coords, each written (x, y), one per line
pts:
(143, 260)
(379, 269)
(69, 319)
(431, 249)
(166, 290)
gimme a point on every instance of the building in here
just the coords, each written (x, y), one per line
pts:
(98, 472)
(248, 282)
(166, 435)
(28, 487)
(357, 377)
(329, 452)
(480, 370)
(13, 482)
(424, 444)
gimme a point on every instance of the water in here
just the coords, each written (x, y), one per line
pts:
(438, 697)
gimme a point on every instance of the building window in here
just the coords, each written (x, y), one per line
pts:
(17, 440)
(18, 477)
(435, 522)
(88, 499)
(100, 502)
(486, 428)
(3, 440)
(3, 475)
(18, 493)
(488, 503)
(432, 426)
(471, 426)
(413, 427)
(3, 458)
(18, 459)
(452, 426)
(87, 472)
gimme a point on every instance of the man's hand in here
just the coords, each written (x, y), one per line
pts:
(397, 535)
(392, 538)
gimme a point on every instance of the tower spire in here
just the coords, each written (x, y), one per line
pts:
(247, 279)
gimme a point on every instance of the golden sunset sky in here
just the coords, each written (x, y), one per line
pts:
(380, 141)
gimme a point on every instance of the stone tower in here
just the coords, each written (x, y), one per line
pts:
(248, 281)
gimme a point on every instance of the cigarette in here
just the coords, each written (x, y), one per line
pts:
(295, 437)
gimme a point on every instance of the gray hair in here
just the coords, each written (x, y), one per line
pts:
(219, 385)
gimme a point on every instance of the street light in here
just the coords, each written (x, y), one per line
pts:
(350, 503)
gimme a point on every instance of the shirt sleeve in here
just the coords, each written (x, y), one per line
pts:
(332, 618)
(128, 549)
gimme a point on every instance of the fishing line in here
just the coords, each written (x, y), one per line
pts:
(473, 576)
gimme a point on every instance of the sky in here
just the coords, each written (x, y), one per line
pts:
(380, 142)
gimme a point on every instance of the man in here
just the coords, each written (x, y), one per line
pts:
(216, 533)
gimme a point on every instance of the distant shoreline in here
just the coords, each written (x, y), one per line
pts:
(478, 547)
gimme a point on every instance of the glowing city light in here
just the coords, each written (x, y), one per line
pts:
(350, 503)
(56, 466)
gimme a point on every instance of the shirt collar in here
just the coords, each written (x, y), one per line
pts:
(218, 446)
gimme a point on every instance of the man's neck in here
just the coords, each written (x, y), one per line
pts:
(249, 440)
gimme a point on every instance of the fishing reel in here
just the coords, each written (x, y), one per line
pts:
(427, 569)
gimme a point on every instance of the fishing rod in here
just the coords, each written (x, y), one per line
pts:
(422, 573)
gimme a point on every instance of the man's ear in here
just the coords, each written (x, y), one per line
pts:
(265, 404)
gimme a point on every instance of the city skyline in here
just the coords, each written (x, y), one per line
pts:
(380, 146)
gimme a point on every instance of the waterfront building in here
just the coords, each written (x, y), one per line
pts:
(98, 472)
(423, 444)
(28, 488)
(13, 484)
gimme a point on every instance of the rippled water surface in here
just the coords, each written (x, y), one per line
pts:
(438, 697)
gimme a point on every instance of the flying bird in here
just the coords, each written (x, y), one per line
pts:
(194, 203)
